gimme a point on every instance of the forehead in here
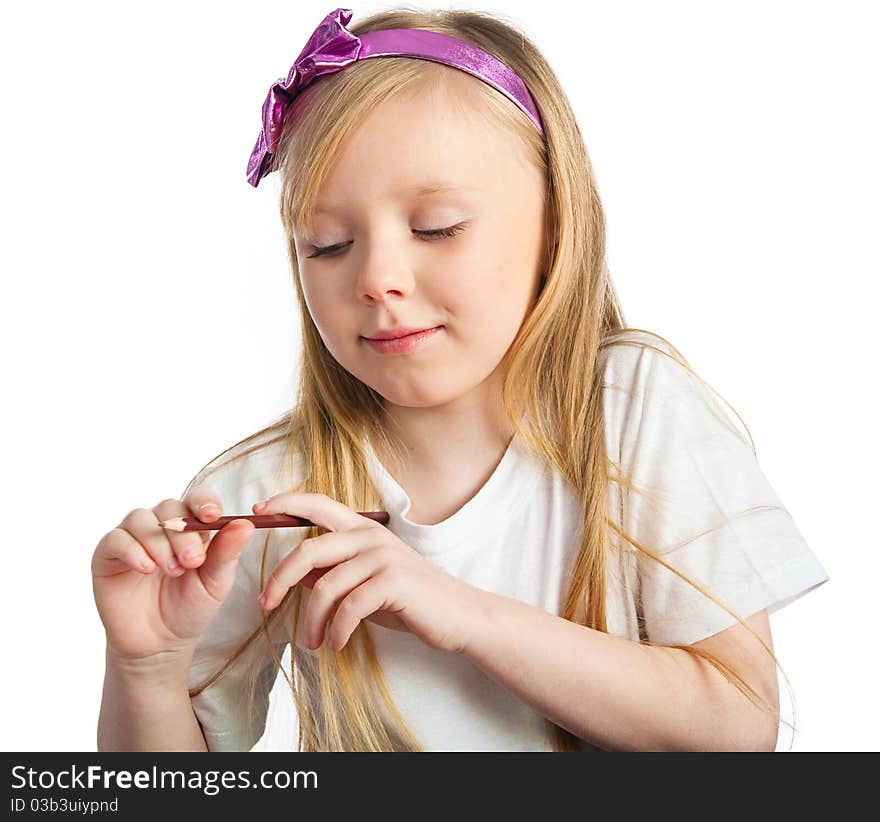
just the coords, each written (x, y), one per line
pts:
(422, 191)
(424, 143)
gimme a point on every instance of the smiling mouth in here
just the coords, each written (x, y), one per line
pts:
(404, 344)
(397, 334)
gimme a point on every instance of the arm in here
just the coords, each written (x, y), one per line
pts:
(147, 710)
(621, 695)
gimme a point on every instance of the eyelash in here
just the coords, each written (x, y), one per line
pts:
(437, 233)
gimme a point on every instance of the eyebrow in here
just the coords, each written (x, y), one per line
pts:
(436, 186)
(417, 190)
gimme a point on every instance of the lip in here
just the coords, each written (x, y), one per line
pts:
(394, 333)
(402, 344)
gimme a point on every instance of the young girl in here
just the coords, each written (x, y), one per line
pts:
(581, 551)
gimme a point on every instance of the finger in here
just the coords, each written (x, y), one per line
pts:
(317, 552)
(142, 525)
(332, 587)
(363, 601)
(187, 548)
(119, 551)
(205, 503)
(312, 577)
(217, 573)
(319, 508)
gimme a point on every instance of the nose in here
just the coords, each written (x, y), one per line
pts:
(383, 271)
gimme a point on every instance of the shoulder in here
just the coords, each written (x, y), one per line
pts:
(633, 363)
(649, 384)
(632, 357)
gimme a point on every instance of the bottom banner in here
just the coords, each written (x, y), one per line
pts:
(134, 785)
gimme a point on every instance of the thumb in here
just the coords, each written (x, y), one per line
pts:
(217, 572)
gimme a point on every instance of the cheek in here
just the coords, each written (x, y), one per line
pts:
(495, 292)
(488, 318)
(320, 295)
(315, 294)
(475, 279)
(325, 309)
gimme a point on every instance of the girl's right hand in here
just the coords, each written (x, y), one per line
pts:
(153, 599)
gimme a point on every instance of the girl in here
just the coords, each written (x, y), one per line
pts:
(582, 550)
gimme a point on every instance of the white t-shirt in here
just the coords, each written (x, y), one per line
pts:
(518, 537)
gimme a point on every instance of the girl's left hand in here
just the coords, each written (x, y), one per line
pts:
(373, 575)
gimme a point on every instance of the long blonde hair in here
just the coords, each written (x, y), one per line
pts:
(552, 390)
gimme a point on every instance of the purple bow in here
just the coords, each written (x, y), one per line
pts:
(330, 48)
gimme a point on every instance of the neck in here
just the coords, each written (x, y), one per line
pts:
(439, 440)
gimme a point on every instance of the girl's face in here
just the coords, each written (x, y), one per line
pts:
(386, 270)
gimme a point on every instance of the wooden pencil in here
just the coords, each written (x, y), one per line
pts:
(259, 521)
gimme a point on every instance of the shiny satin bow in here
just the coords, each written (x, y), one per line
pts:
(330, 48)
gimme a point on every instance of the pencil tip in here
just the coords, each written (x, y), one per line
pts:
(173, 524)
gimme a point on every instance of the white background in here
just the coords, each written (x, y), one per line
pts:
(149, 315)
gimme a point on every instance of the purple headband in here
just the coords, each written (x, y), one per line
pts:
(332, 47)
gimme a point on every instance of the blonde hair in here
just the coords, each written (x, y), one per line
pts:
(552, 390)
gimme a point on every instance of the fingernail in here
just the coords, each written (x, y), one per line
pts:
(209, 508)
(192, 553)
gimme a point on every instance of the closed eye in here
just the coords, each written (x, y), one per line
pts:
(433, 234)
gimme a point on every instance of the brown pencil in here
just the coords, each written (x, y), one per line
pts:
(259, 521)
